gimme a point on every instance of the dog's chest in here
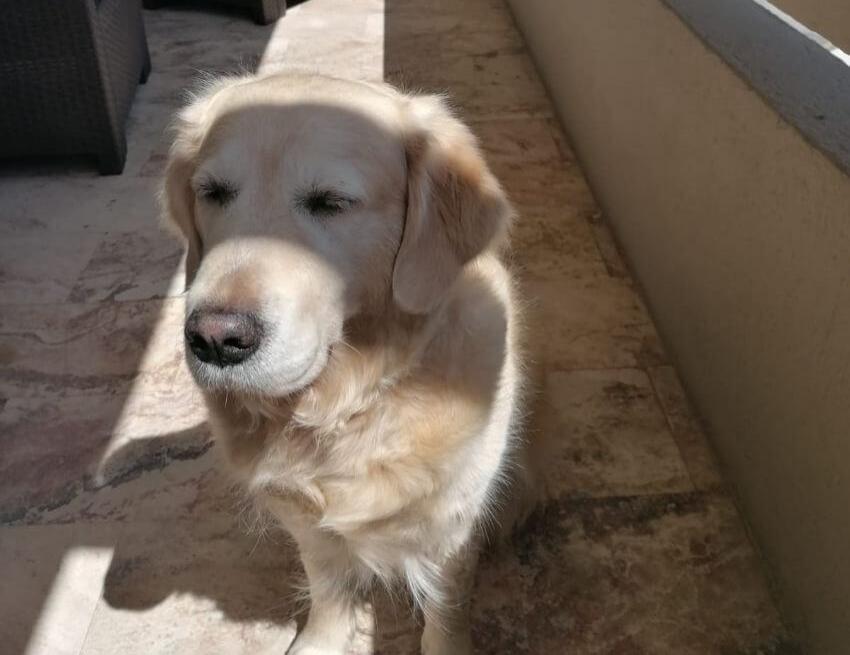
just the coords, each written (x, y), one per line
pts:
(384, 502)
(347, 486)
(388, 477)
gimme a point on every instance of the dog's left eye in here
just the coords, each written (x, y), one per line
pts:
(323, 202)
(220, 192)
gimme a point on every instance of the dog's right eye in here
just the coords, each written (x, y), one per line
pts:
(323, 203)
(220, 192)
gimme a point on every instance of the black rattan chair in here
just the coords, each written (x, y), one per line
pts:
(68, 73)
(263, 11)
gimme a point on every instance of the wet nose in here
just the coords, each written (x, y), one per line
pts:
(222, 338)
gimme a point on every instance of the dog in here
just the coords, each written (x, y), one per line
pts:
(355, 333)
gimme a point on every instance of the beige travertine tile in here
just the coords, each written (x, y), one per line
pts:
(410, 17)
(588, 323)
(517, 142)
(417, 47)
(670, 573)
(551, 237)
(132, 265)
(52, 581)
(38, 267)
(330, 37)
(350, 60)
(553, 243)
(94, 394)
(183, 43)
(603, 434)
(482, 87)
(70, 349)
(608, 248)
(49, 444)
(562, 141)
(196, 588)
(91, 456)
(154, 165)
(469, 50)
(525, 156)
(691, 438)
(31, 204)
(75, 204)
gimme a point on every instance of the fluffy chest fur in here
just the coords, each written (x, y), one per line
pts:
(399, 447)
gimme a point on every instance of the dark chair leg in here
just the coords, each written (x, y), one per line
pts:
(268, 11)
(112, 160)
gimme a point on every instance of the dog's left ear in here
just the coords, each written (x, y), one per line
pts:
(455, 206)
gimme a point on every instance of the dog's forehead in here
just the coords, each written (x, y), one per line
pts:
(315, 119)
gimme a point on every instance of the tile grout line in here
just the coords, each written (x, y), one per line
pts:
(100, 595)
(648, 371)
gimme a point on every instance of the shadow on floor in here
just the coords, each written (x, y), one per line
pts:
(71, 365)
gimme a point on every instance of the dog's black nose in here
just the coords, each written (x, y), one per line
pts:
(222, 338)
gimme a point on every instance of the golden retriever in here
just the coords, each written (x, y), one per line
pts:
(354, 332)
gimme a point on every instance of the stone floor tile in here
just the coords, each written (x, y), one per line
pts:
(330, 37)
(72, 457)
(550, 237)
(518, 142)
(70, 349)
(504, 86)
(458, 42)
(406, 17)
(196, 588)
(234, 591)
(33, 203)
(602, 433)
(39, 267)
(669, 573)
(562, 141)
(615, 264)
(52, 580)
(696, 452)
(132, 265)
(48, 448)
(42, 204)
(590, 323)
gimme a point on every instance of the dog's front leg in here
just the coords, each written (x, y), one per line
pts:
(447, 628)
(335, 617)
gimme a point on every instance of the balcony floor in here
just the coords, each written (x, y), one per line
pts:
(119, 535)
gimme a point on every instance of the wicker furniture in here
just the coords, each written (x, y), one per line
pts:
(263, 11)
(68, 73)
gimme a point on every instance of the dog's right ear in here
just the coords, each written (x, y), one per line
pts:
(178, 201)
(177, 197)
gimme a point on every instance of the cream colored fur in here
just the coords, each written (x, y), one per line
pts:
(377, 422)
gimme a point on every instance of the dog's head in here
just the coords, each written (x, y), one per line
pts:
(306, 201)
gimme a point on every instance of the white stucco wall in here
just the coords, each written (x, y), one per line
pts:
(739, 232)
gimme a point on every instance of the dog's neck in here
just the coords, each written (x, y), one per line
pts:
(378, 352)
